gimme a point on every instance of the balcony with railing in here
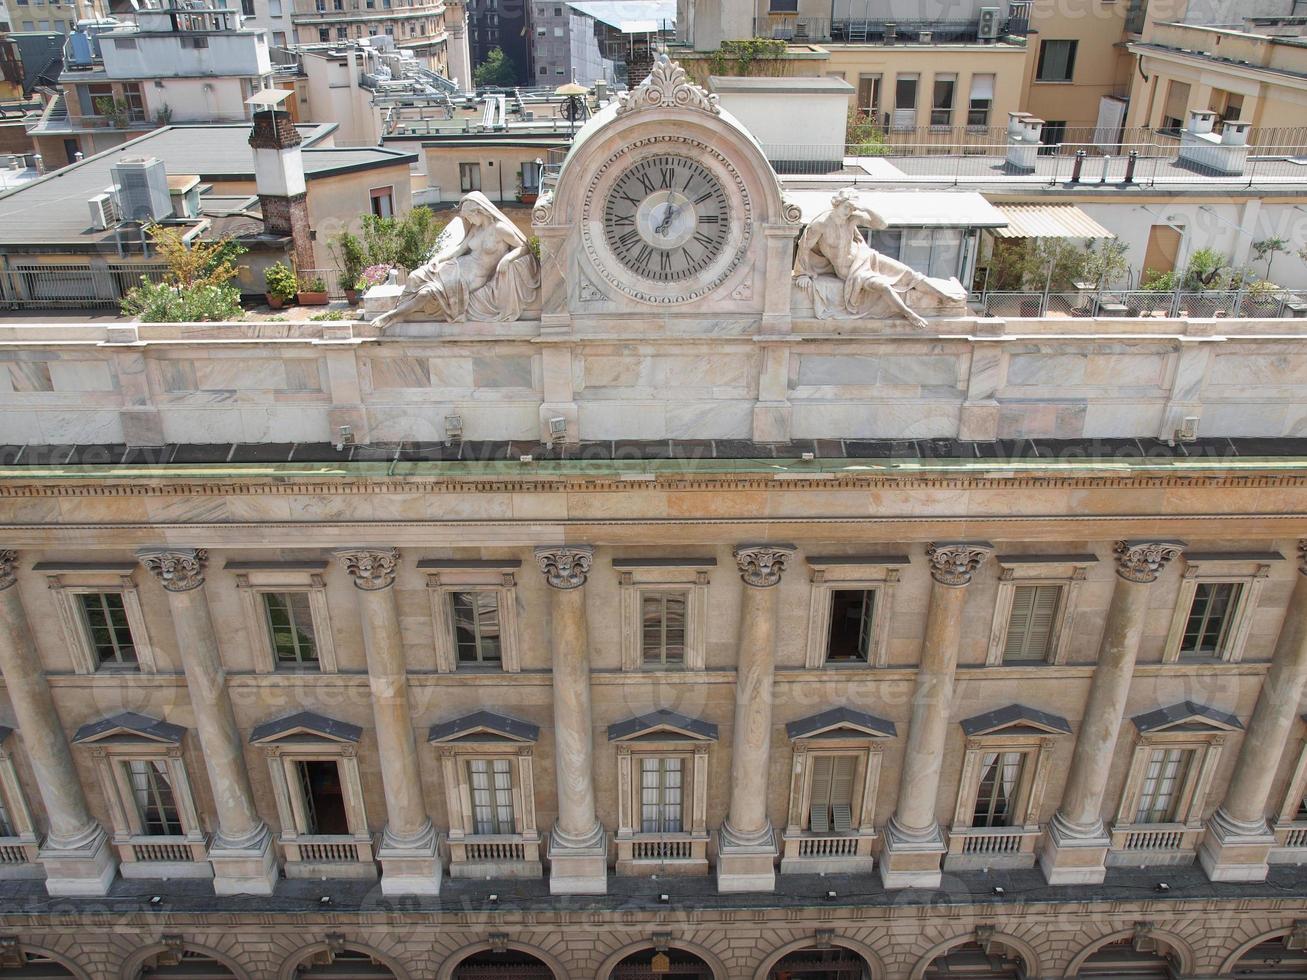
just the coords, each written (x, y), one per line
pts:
(1290, 842)
(328, 856)
(164, 857)
(971, 848)
(495, 856)
(18, 858)
(667, 854)
(1163, 844)
(807, 852)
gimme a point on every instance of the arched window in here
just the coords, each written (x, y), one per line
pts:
(831, 963)
(33, 966)
(509, 965)
(189, 964)
(1123, 960)
(344, 964)
(975, 962)
(671, 964)
(1272, 960)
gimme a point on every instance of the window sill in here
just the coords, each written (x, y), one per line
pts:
(971, 848)
(852, 663)
(1053, 81)
(164, 856)
(1153, 843)
(807, 853)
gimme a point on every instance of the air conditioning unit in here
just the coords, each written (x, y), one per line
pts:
(987, 30)
(891, 32)
(927, 37)
(142, 189)
(104, 211)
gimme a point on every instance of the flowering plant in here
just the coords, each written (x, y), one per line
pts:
(373, 275)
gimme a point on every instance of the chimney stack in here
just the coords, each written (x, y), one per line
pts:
(279, 173)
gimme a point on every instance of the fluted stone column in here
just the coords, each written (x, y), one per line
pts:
(914, 843)
(76, 853)
(1075, 848)
(409, 852)
(746, 845)
(1238, 839)
(578, 846)
(241, 851)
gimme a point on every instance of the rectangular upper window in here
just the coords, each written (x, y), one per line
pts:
(106, 624)
(1057, 61)
(662, 628)
(322, 797)
(1207, 630)
(1030, 624)
(476, 626)
(851, 615)
(290, 628)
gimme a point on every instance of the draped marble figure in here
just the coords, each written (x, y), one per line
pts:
(483, 269)
(848, 279)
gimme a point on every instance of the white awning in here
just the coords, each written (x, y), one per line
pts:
(911, 209)
(1049, 221)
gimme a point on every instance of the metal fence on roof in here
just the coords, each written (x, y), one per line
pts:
(71, 285)
(1213, 303)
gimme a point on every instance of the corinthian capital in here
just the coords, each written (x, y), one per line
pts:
(1140, 561)
(1302, 557)
(761, 564)
(372, 569)
(953, 562)
(565, 568)
(177, 569)
(8, 568)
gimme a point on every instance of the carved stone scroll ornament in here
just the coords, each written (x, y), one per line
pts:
(179, 570)
(8, 568)
(667, 85)
(953, 564)
(1302, 559)
(565, 568)
(844, 278)
(483, 269)
(372, 569)
(761, 565)
(1141, 561)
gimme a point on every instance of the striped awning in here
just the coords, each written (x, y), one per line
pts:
(1048, 221)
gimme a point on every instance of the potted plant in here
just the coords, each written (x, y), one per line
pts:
(281, 285)
(351, 287)
(312, 291)
(351, 256)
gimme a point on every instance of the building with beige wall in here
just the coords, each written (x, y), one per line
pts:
(619, 639)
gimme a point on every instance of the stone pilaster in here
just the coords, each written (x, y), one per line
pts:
(746, 844)
(1238, 839)
(578, 846)
(241, 850)
(76, 854)
(1075, 848)
(410, 847)
(914, 843)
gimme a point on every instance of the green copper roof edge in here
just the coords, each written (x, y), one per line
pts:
(501, 469)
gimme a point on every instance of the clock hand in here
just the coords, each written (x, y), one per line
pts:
(671, 212)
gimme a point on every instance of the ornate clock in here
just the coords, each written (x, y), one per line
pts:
(666, 219)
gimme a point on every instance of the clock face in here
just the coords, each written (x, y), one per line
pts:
(666, 218)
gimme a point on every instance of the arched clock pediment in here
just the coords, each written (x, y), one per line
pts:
(665, 207)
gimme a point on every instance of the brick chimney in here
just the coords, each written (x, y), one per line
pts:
(279, 174)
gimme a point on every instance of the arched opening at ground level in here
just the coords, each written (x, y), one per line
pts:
(511, 964)
(184, 964)
(976, 962)
(1271, 959)
(670, 964)
(347, 964)
(830, 963)
(35, 966)
(1121, 960)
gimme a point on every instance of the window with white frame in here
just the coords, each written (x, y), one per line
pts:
(1215, 605)
(142, 772)
(1035, 607)
(661, 786)
(981, 101)
(491, 784)
(100, 611)
(314, 767)
(830, 795)
(474, 613)
(287, 615)
(1176, 753)
(850, 609)
(836, 772)
(469, 177)
(664, 609)
(1004, 771)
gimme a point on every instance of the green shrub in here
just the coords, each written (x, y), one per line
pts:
(280, 282)
(159, 302)
(312, 284)
(329, 315)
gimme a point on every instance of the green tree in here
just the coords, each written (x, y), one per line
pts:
(498, 69)
(405, 242)
(197, 285)
(1268, 249)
